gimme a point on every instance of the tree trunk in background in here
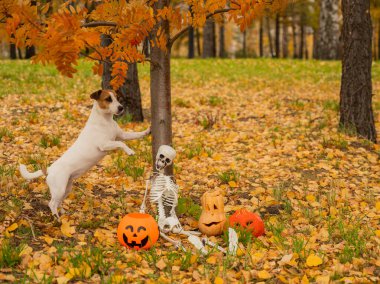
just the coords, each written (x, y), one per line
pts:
(315, 43)
(302, 40)
(261, 38)
(378, 41)
(245, 44)
(198, 37)
(146, 47)
(209, 48)
(270, 38)
(19, 53)
(160, 90)
(329, 33)
(277, 39)
(294, 34)
(12, 51)
(30, 51)
(285, 50)
(191, 50)
(129, 94)
(222, 44)
(356, 112)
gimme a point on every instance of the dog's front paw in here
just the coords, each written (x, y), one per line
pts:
(148, 131)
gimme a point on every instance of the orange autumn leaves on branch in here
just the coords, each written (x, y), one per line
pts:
(62, 36)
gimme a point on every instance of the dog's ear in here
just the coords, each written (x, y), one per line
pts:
(96, 95)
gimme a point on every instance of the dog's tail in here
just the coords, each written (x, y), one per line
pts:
(28, 175)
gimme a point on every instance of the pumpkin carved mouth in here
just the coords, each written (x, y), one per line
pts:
(132, 244)
(212, 224)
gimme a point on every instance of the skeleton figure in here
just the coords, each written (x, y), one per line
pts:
(164, 193)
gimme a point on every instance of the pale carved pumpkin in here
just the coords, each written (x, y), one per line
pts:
(211, 222)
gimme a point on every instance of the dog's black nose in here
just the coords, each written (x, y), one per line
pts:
(120, 108)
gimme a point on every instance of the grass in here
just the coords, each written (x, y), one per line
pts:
(227, 176)
(22, 77)
(263, 131)
(9, 254)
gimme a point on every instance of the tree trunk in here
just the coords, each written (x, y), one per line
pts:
(277, 38)
(19, 53)
(294, 34)
(315, 44)
(329, 30)
(129, 94)
(270, 37)
(285, 50)
(245, 44)
(209, 48)
(160, 90)
(356, 112)
(198, 37)
(222, 48)
(378, 41)
(30, 51)
(191, 43)
(146, 47)
(12, 51)
(302, 40)
(261, 38)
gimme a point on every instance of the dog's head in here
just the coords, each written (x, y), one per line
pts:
(107, 102)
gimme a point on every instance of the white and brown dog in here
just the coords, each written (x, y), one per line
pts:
(101, 134)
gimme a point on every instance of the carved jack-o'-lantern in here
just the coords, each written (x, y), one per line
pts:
(137, 231)
(212, 218)
(249, 221)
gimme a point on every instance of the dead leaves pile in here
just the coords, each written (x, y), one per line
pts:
(272, 147)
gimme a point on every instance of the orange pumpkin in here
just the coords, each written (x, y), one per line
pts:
(137, 231)
(249, 221)
(212, 219)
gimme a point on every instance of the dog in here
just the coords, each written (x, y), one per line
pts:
(100, 135)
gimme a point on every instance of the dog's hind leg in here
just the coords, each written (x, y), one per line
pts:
(57, 184)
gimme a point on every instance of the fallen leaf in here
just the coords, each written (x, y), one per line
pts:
(313, 260)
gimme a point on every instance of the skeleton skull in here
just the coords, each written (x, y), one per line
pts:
(164, 157)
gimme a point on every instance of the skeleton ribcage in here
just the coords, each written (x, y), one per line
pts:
(170, 196)
(158, 188)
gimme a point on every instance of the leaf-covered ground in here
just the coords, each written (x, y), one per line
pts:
(263, 131)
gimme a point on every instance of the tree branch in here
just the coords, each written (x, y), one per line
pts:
(98, 24)
(180, 33)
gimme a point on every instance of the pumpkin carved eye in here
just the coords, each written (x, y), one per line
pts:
(141, 228)
(129, 227)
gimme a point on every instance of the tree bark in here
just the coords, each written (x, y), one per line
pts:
(198, 37)
(270, 38)
(315, 44)
(294, 34)
(191, 50)
(285, 49)
(378, 41)
(356, 112)
(129, 94)
(160, 90)
(222, 49)
(329, 33)
(302, 39)
(30, 51)
(12, 51)
(209, 48)
(245, 44)
(277, 37)
(261, 38)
